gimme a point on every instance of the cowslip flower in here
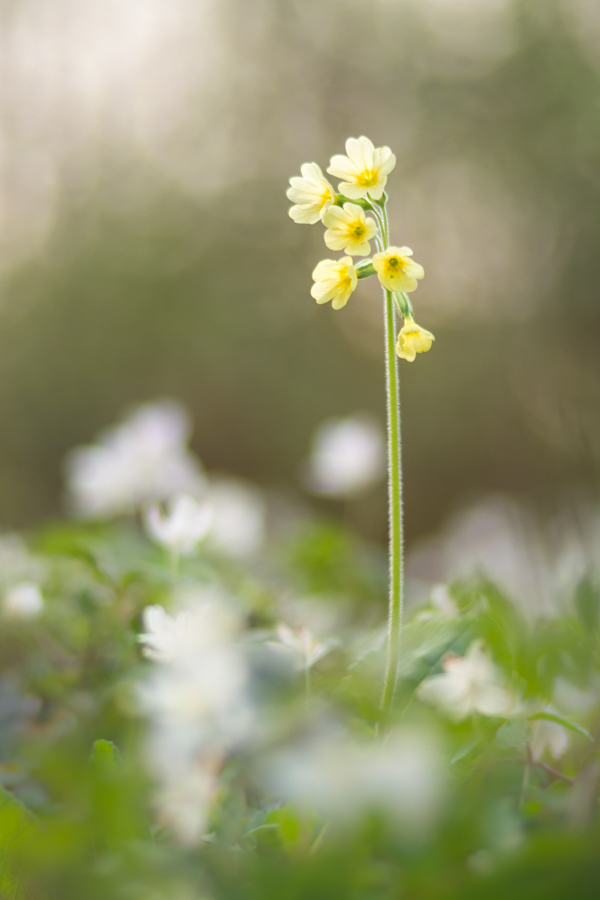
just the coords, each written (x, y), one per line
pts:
(468, 684)
(335, 280)
(312, 194)
(396, 271)
(349, 229)
(364, 170)
(184, 525)
(412, 340)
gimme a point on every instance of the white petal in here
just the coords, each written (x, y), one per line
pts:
(493, 700)
(445, 691)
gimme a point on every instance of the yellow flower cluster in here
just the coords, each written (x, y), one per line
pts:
(363, 172)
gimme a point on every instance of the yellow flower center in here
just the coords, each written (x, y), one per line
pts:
(344, 279)
(367, 178)
(394, 263)
(359, 231)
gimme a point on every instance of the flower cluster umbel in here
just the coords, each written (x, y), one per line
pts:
(363, 172)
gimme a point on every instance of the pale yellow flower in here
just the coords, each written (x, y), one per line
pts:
(312, 194)
(412, 340)
(396, 271)
(364, 170)
(335, 279)
(349, 229)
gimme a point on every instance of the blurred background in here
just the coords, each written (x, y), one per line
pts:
(146, 250)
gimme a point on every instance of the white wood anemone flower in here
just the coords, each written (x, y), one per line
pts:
(183, 801)
(343, 777)
(239, 521)
(23, 601)
(364, 170)
(347, 457)
(469, 684)
(549, 736)
(170, 638)
(185, 524)
(197, 703)
(305, 647)
(442, 606)
(141, 460)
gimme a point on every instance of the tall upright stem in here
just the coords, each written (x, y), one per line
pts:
(396, 535)
(396, 529)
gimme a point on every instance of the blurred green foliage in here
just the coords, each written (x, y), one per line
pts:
(76, 814)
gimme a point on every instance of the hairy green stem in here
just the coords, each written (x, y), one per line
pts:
(396, 536)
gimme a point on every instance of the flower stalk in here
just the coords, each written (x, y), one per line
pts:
(364, 172)
(395, 506)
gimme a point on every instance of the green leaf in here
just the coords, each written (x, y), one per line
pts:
(288, 822)
(105, 755)
(561, 720)
(514, 735)
(464, 750)
(18, 828)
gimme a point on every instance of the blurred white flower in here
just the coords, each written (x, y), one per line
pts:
(573, 700)
(183, 803)
(469, 684)
(443, 605)
(347, 456)
(197, 702)
(205, 621)
(548, 736)
(164, 634)
(238, 524)
(343, 778)
(143, 459)
(537, 564)
(17, 563)
(306, 649)
(23, 600)
(183, 527)
(443, 602)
